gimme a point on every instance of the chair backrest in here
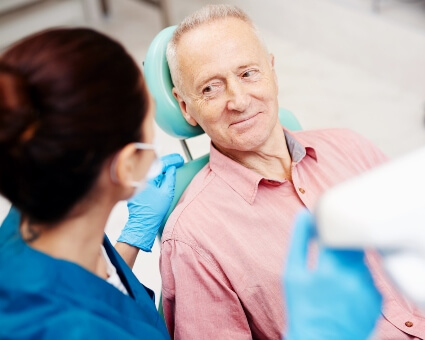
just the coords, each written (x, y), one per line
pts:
(168, 115)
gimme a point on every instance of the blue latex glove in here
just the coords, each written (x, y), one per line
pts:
(147, 209)
(335, 300)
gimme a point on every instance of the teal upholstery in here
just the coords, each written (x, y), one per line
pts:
(168, 114)
(158, 78)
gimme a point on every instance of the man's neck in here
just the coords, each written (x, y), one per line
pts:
(271, 160)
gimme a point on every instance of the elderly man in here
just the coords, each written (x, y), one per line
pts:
(224, 246)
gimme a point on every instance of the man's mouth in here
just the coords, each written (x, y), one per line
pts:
(242, 120)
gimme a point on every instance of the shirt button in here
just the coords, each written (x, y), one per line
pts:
(409, 323)
(301, 190)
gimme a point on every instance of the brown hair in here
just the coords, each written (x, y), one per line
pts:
(69, 99)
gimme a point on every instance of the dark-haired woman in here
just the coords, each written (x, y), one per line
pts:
(76, 134)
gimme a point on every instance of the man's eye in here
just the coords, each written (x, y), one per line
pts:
(207, 89)
(249, 73)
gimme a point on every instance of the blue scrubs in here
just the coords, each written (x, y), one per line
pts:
(46, 298)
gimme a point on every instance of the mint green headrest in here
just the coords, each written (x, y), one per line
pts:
(158, 78)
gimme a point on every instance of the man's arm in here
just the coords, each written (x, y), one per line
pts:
(198, 302)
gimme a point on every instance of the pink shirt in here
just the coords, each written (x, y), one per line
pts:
(224, 246)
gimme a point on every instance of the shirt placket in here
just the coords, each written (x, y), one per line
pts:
(300, 188)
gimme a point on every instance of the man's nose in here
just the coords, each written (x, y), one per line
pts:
(238, 97)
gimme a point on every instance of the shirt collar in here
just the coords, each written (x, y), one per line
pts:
(245, 181)
(298, 148)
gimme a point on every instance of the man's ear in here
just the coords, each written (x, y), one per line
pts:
(274, 71)
(272, 60)
(124, 165)
(183, 108)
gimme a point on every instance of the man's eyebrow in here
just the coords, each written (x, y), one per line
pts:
(240, 68)
(203, 80)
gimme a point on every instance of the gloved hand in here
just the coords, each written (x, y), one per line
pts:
(336, 299)
(147, 209)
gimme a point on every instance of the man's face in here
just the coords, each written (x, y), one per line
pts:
(229, 84)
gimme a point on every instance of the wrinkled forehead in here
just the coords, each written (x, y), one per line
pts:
(223, 42)
(217, 32)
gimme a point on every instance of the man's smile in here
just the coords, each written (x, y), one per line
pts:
(244, 120)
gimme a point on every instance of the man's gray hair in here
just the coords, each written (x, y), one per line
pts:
(206, 14)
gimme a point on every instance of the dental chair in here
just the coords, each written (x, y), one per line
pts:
(169, 117)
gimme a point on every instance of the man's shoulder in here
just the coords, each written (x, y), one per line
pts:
(194, 195)
(329, 135)
(336, 144)
(341, 139)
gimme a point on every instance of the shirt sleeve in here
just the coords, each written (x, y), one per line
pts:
(198, 302)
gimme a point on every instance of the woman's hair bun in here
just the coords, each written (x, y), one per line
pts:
(70, 98)
(17, 115)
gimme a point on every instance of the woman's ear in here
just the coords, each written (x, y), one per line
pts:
(183, 108)
(124, 165)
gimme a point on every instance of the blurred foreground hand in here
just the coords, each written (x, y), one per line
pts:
(336, 299)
